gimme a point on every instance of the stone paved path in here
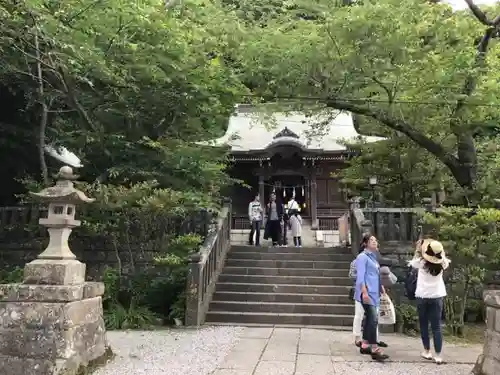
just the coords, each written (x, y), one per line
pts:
(294, 351)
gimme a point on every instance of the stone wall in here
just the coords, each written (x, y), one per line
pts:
(396, 256)
(96, 258)
(488, 363)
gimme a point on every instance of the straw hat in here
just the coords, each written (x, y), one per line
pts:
(433, 251)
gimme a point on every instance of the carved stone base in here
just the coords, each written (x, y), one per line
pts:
(50, 329)
(54, 272)
(488, 363)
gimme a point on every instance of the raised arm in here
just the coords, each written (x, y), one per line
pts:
(446, 263)
(415, 262)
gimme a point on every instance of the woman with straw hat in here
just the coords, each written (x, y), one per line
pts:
(431, 261)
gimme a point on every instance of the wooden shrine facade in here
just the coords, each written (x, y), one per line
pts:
(291, 171)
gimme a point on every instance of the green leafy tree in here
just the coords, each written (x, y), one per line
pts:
(415, 68)
(128, 86)
(472, 242)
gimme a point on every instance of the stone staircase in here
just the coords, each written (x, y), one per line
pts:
(284, 286)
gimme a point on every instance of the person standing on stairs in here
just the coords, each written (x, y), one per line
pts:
(255, 216)
(367, 292)
(274, 214)
(296, 227)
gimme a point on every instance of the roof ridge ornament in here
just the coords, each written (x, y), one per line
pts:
(285, 132)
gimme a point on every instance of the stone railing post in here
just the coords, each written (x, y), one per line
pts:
(53, 322)
(488, 363)
(194, 293)
(205, 267)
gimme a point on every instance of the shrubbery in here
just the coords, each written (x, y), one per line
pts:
(149, 296)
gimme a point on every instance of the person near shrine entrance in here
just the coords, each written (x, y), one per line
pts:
(274, 215)
(255, 216)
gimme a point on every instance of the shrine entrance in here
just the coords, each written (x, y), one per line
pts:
(287, 177)
(288, 186)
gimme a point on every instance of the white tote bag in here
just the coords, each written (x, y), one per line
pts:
(387, 312)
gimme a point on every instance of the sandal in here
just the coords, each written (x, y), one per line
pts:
(367, 350)
(382, 344)
(379, 356)
(357, 343)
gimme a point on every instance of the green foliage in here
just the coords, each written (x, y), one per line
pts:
(406, 318)
(130, 87)
(118, 317)
(472, 242)
(11, 276)
(151, 295)
(418, 76)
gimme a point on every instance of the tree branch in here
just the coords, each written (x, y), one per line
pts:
(44, 113)
(479, 14)
(466, 150)
(400, 126)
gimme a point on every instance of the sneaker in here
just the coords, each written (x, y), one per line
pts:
(427, 356)
(438, 360)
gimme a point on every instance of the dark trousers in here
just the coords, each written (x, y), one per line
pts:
(297, 241)
(275, 231)
(284, 240)
(429, 311)
(370, 324)
(255, 229)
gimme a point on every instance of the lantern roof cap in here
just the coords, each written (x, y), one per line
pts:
(63, 191)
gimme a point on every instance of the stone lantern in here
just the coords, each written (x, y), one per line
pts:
(62, 199)
(52, 323)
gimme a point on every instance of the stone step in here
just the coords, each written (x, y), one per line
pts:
(253, 263)
(295, 280)
(274, 318)
(282, 297)
(281, 288)
(305, 272)
(291, 249)
(305, 326)
(289, 256)
(282, 307)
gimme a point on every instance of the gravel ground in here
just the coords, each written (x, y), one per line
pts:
(395, 368)
(172, 352)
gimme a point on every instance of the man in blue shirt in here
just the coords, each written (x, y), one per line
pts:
(367, 292)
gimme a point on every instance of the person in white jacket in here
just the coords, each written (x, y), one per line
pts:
(255, 216)
(296, 227)
(431, 261)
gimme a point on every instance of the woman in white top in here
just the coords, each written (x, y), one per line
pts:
(296, 227)
(431, 261)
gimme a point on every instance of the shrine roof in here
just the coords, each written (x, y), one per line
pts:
(249, 130)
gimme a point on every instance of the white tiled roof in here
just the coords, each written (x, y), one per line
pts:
(253, 131)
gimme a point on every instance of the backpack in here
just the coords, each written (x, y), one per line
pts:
(411, 283)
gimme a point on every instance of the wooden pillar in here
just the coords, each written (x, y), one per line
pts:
(261, 190)
(314, 203)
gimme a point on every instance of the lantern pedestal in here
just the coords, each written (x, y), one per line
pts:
(52, 323)
(55, 272)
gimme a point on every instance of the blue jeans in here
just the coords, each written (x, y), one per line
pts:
(370, 324)
(430, 311)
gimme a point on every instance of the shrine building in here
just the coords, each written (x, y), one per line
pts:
(288, 155)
